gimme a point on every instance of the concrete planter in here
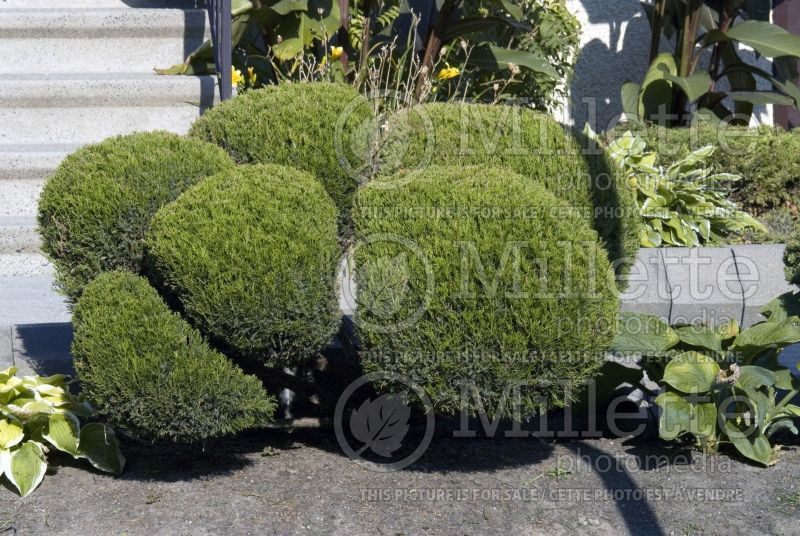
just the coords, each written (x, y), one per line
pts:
(709, 285)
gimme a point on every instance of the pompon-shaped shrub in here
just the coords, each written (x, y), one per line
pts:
(791, 256)
(527, 142)
(148, 372)
(316, 127)
(480, 275)
(251, 255)
(766, 158)
(96, 208)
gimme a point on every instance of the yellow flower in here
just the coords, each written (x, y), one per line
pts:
(336, 52)
(236, 77)
(252, 76)
(447, 73)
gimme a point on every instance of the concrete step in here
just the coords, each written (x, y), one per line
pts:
(90, 125)
(31, 162)
(31, 299)
(19, 197)
(18, 235)
(85, 108)
(101, 4)
(104, 89)
(25, 264)
(97, 40)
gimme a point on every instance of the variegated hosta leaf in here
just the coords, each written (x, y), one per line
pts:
(11, 433)
(26, 467)
(62, 432)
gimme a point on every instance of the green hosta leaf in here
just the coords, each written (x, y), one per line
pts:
(26, 467)
(643, 334)
(701, 337)
(752, 378)
(791, 409)
(11, 433)
(100, 446)
(781, 424)
(691, 372)
(753, 445)
(630, 99)
(764, 336)
(782, 307)
(676, 417)
(62, 432)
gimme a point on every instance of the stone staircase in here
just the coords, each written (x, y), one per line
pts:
(73, 72)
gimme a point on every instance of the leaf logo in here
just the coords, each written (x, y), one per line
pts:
(381, 424)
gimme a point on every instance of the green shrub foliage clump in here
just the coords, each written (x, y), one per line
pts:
(765, 157)
(149, 373)
(478, 274)
(320, 128)
(791, 256)
(252, 256)
(95, 210)
(529, 143)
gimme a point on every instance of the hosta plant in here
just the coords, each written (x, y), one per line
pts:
(719, 384)
(684, 204)
(40, 414)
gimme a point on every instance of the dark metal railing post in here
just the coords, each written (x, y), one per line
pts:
(219, 16)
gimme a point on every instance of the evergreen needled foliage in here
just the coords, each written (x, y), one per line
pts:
(478, 274)
(321, 128)
(252, 256)
(149, 373)
(791, 257)
(526, 142)
(95, 210)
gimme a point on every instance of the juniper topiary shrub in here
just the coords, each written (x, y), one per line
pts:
(791, 256)
(765, 157)
(96, 208)
(320, 128)
(252, 255)
(149, 373)
(480, 274)
(527, 142)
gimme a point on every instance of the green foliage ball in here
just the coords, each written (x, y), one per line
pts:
(315, 127)
(478, 274)
(251, 255)
(149, 373)
(96, 208)
(529, 143)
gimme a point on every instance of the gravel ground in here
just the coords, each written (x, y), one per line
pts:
(299, 482)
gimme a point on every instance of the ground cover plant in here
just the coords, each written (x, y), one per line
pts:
(251, 255)
(96, 208)
(683, 204)
(149, 373)
(764, 157)
(39, 414)
(449, 290)
(719, 384)
(531, 144)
